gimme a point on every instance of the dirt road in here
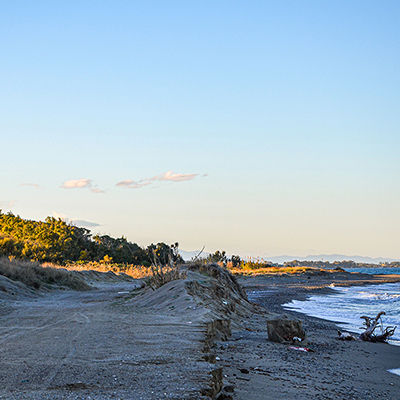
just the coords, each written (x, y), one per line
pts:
(99, 345)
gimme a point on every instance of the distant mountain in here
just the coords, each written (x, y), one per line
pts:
(188, 255)
(329, 257)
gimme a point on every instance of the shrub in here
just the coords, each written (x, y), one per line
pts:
(164, 272)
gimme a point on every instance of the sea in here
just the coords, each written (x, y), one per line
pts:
(348, 304)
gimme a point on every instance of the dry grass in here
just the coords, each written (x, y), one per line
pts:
(158, 274)
(135, 271)
(220, 273)
(272, 270)
(155, 276)
(163, 275)
(35, 275)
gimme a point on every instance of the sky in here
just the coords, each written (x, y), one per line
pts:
(260, 128)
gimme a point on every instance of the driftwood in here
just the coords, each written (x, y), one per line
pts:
(371, 323)
(346, 336)
(368, 335)
(286, 330)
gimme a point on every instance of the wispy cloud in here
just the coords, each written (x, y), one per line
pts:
(171, 176)
(84, 224)
(60, 216)
(74, 221)
(81, 184)
(96, 190)
(168, 176)
(34, 185)
(7, 203)
(130, 184)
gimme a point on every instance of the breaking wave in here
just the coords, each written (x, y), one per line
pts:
(348, 304)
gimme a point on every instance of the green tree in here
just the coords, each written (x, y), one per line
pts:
(218, 257)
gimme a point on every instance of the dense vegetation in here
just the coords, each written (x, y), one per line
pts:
(256, 264)
(56, 241)
(236, 262)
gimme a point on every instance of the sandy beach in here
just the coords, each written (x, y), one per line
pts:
(191, 339)
(335, 369)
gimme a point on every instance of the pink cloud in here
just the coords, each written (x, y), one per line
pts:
(168, 176)
(130, 184)
(172, 176)
(96, 190)
(77, 184)
(35, 185)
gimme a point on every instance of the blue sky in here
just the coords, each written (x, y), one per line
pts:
(258, 127)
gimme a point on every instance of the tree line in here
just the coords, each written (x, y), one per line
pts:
(56, 241)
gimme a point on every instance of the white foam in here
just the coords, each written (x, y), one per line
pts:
(347, 305)
(395, 371)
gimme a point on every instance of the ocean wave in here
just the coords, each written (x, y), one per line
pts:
(348, 304)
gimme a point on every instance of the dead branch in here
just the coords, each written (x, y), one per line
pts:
(371, 323)
(389, 331)
(198, 255)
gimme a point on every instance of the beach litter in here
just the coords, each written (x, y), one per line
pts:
(346, 336)
(305, 349)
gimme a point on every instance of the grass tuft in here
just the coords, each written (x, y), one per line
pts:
(162, 273)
